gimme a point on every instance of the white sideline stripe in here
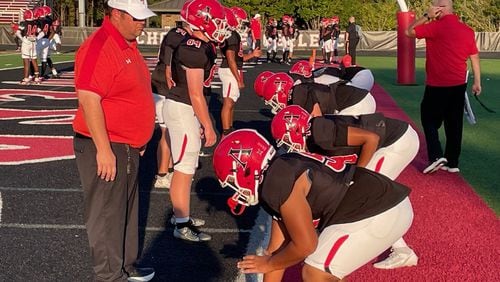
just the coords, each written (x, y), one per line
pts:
(0, 208)
(259, 239)
(155, 191)
(77, 226)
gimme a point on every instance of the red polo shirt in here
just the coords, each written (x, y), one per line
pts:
(114, 69)
(256, 28)
(449, 43)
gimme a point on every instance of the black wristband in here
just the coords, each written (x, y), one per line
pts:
(427, 16)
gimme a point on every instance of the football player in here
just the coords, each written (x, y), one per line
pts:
(54, 45)
(43, 15)
(186, 110)
(335, 39)
(384, 145)
(161, 82)
(289, 34)
(357, 76)
(335, 216)
(318, 99)
(272, 39)
(326, 37)
(231, 68)
(28, 32)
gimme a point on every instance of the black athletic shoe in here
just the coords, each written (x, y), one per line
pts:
(141, 274)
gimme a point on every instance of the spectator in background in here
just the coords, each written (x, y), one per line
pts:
(113, 123)
(14, 27)
(351, 39)
(256, 28)
(450, 43)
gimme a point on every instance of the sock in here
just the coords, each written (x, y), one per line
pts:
(180, 220)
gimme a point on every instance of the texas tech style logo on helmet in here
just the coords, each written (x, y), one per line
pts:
(239, 162)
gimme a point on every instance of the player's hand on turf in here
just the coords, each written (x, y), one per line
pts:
(255, 264)
(106, 165)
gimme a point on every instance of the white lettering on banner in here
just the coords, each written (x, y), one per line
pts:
(306, 39)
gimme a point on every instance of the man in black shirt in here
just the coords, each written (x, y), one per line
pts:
(351, 39)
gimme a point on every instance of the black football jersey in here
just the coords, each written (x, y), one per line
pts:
(339, 193)
(169, 44)
(330, 98)
(333, 71)
(330, 132)
(271, 31)
(232, 43)
(29, 28)
(350, 72)
(46, 26)
(327, 33)
(195, 54)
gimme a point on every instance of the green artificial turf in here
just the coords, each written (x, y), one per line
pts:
(480, 158)
(13, 59)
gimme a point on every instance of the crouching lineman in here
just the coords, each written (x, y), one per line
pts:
(318, 204)
(356, 76)
(384, 145)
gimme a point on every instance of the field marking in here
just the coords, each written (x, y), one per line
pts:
(20, 67)
(0, 208)
(82, 227)
(79, 190)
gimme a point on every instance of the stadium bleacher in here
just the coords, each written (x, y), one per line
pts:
(11, 10)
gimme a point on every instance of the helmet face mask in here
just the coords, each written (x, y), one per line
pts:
(239, 162)
(277, 91)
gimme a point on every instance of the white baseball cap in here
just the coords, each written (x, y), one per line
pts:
(136, 8)
(256, 16)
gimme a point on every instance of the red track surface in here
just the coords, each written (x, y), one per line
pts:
(454, 233)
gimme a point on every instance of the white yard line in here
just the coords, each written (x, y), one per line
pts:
(0, 208)
(76, 226)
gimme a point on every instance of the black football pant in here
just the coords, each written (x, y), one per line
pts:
(443, 105)
(111, 209)
(352, 49)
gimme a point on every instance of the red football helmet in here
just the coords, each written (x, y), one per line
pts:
(47, 10)
(258, 85)
(240, 14)
(231, 20)
(39, 13)
(285, 19)
(347, 60)
(28, 15)
(325, 21)
(184, 10)
(335, 20)
(277, 91)
(302, 68)
(239, 162)
(207, 16)
(290, 127)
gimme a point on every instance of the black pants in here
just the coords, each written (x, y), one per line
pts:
(352, 49)
(111, 210)
(443, 105)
